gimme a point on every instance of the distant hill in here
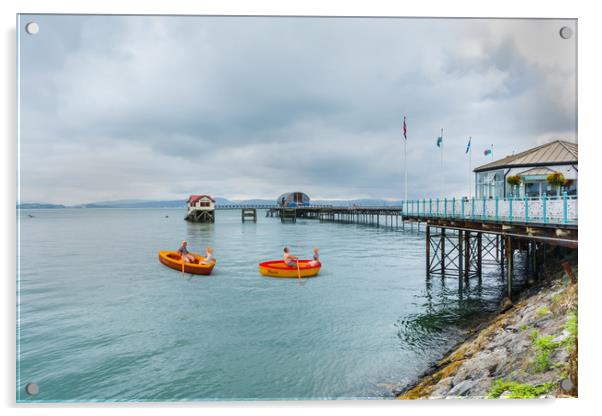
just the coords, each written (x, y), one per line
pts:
(219, 201)
(361, 202)
(138, 204)
(251, 202)
(33, 205)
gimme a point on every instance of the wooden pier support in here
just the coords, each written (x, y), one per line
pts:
(509, 260)
(442, 251)
(248, 214)
(428, 251)
(467, 254)
(479, 254)
(458, 252)
(198, 215)
(288, 215)
(460, 256)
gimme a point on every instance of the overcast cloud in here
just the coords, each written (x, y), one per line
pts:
(161, 107)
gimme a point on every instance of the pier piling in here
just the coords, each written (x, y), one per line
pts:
(248, 214)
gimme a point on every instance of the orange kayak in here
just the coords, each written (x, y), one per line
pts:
(174, 260)
(277, 268)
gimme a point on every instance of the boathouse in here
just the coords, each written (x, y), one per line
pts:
(293, 200)
(533, 167)
(200, 208)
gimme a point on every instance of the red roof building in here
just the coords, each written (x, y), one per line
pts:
(194, 198)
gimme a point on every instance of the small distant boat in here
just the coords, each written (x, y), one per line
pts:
(174, 260)
(277, 268)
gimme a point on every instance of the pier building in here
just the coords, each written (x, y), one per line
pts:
(533, 167)
(293, 200)
(200, 208)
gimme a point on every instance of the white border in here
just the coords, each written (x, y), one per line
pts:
(589, 139)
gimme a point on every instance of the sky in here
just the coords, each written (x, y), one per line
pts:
(160, 107)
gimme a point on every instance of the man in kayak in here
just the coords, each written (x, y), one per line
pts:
(186, 256)
(289, 259)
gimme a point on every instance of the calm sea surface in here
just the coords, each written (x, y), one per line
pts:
(101, 319)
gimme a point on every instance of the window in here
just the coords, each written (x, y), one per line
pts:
(490, 184)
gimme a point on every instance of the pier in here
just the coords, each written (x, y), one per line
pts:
(462, 234)
(248, 214)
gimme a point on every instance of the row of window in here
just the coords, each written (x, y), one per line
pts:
(491, 185)
(202, 204)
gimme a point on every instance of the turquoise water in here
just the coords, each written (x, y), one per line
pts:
(100, 319)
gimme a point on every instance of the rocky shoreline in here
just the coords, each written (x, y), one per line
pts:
(529, 350)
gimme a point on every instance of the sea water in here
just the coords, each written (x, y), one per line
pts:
(101, 319)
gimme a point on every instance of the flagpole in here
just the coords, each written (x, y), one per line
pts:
(405, 160)
(405, 169)
(441, 172)
(470, 167)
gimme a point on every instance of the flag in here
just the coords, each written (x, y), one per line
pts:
(468, 145)
(439, 141)
(487, 152)
(405, 129)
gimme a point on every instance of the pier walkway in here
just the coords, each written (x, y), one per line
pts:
(462, 234)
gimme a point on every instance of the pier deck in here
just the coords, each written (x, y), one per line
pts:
(462, 235)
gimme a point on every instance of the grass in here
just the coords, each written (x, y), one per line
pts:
(544, 310)
(571, 324)
(544, 347)
(517, 390)
(571, 327)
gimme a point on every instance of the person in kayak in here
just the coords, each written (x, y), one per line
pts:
(185, 255)
(316, 259)
(289, 259)
(208, 256)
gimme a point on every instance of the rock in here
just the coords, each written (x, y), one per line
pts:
(562, 356)
(505, 395)
(480, 388)
(442, 387)
(502, 339)
(566, 385)
(482, 326)
(512, 328)
(462, 388)
(539, 322)
(519, 347)
(506, 304)
(565, 334)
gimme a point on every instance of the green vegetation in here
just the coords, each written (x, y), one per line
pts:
(523, 328)
(556, 179)
(544, 310)
(517, 390)
(514, 180)
(556, 298)
(542, 362)
(544, 347)
(571, 327)
(571, 324)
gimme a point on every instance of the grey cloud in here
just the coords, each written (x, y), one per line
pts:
(251, 105)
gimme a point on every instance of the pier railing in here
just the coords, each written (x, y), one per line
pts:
(561, 209)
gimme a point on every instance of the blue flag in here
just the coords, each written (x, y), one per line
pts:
(468, 145)
(439, 141)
